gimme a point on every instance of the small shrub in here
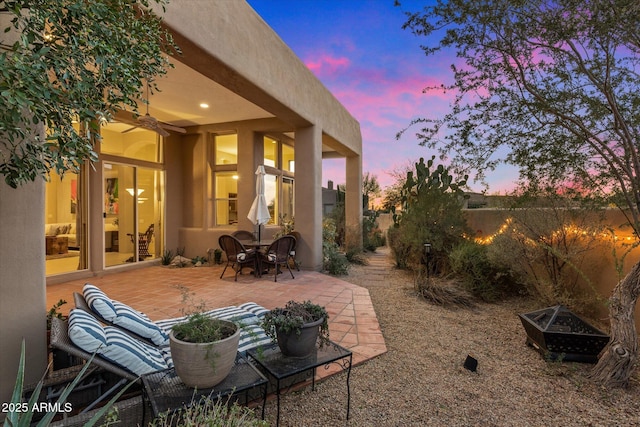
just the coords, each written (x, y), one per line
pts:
(355, 256)
(334, 261)
(167, 256)
(210, 412)
(470, 262)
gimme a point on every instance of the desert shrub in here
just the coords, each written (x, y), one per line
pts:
(210, 412)
(372, 237)
(471, 264)
(355, 256)
(431, 213)
(554, 245)
(334, 261)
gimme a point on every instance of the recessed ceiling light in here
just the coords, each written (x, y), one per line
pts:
(204, 105)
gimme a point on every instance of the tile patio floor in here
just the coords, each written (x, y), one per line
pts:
(152, 290)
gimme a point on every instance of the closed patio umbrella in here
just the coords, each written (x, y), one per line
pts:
(259, 212)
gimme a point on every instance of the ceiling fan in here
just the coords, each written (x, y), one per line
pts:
(151, 123)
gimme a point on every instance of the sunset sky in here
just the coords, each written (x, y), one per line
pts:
(376, 69)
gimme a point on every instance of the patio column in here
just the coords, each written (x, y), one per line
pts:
(250, 155)
(308, 196)
(22, 284)
(353, 203)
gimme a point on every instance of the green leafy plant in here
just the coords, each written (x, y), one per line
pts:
(292, 316)
(210, 412)
(431, 202)
(334, 261)
(217, 255)
(198, 259)
(54, 311)
(198, 327)
(167, 256)
(23, 412)
(70, 66)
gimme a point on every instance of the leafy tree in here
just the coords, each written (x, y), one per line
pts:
(556, 84)
(64, 62)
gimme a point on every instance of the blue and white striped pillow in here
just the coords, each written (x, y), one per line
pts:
(135, 355)
(138, 323)
(252, 336)
(254, 308)
(231, 313)
(99, 302)
(86, 331)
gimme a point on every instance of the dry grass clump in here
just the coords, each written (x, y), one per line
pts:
(443, 292)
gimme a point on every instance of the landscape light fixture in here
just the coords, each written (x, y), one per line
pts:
(427, 252)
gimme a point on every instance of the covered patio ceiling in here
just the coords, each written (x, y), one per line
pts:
(184, 90)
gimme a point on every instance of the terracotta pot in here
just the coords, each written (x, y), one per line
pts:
(203, 365)
(299, 346)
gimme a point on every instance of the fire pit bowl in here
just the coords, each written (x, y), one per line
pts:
(558, 334)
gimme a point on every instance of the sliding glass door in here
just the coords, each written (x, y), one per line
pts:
(133, 212)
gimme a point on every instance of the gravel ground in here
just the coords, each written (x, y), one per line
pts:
(421, 381)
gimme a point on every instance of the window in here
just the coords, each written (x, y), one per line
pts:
(226, 190)
(226, 149)
(124, 140)
(288, 163)
(270, 152)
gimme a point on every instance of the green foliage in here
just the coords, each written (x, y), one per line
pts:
(292, 316)
(68, 62)
(198, 327)
(470, 262)
(167, 257)
(54, 312)
(210, 412)
(198, 259)
(23, 415)
(550, 87)
(334, 261)
(432, 213)
(372, 237)
(554, 244)
(355, 256)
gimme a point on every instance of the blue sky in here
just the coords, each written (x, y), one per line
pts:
(376, 69)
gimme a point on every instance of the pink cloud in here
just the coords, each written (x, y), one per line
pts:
(327, 65)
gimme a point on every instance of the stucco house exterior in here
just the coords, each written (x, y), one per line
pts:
(189, 187)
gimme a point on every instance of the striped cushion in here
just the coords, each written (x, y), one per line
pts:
(252, 336)
(99, 302)
(232, 313)
(135, 355)
(139, 323)
(85, 331)
(254, 308)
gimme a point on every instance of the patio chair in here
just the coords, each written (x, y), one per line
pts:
(237, 255)
(61, 341)
(278, 254)
(243, 235)
(292, 254)
(144, 239)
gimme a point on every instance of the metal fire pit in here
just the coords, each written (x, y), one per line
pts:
(558, 334)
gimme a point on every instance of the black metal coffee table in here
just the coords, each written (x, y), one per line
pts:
(166, 392)
(281, 367)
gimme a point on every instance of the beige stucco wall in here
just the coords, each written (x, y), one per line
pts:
(486, 222)
(22, 283)
(254, 62)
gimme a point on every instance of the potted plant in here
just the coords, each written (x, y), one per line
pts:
(298, 327)
(203, 348)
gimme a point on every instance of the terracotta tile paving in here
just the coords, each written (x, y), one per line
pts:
(153, 290)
